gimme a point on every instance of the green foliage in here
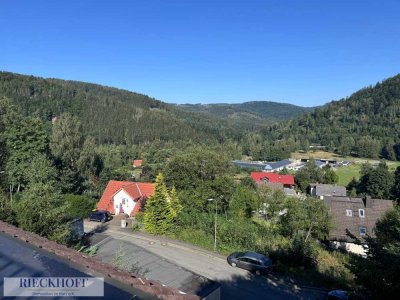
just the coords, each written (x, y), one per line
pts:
(7, 213)
(110, 115)
(376, 182)
(305, 218)
(379, 272)
(158, 216)
(243, 203)
(396, 186)
(41, 210)
(310, 173)
(67, 140)
(175, 203)
(79, 206)
(361, 125)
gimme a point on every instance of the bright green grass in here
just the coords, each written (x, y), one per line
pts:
(346, 174)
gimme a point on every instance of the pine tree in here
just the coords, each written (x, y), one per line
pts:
(158, 215)
(176, 205)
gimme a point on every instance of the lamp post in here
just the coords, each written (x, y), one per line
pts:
(215, 223)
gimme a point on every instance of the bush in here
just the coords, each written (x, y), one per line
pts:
(79, 206)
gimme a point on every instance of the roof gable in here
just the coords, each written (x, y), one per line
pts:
(272, 177)
(135, 190)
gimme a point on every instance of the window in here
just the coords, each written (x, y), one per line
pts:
(361, 213)
(123, 201)
(349, 213)
(363, 231)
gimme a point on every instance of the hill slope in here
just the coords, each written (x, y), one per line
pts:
(111, 115)
(250, 113)
(365, 124)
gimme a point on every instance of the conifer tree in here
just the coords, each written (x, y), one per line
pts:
(176, 205)
(158, 215)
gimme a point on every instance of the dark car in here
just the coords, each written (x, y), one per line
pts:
(251, 261)
(100, 216)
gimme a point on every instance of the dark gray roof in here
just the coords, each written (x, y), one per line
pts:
(249, 164)
(329, 190)
(338, 206)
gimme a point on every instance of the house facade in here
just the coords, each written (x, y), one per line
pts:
(124, 197)
(355, 215)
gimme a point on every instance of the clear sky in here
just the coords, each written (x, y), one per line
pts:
(202, 51)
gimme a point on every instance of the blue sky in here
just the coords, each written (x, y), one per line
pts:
(301, 52)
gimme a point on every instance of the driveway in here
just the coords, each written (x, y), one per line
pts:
(235, 283)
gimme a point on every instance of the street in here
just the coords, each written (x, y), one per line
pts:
(235, 283)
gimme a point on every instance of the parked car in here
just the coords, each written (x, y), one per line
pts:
(251, 261)
(100, 216)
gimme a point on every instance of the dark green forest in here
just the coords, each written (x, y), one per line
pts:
(366, 124)
(110, 115)
(251, 114)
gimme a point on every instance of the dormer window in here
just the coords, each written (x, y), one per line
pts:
(349, 213)
(361, 213)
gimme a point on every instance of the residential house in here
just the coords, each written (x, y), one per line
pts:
(137, 163)
(125, 197)
(358, 216)
(267, 177)
(322, 190)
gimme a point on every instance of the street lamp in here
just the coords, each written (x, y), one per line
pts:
(215, 223)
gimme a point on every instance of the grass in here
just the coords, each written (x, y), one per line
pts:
(346, 174)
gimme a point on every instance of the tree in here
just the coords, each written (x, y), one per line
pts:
(176, 206)
(376, 182)
(79, 206)
(379, 272)
(158, 215)
(67, 140)
(396, 185)
(243, 203)
(41, 210)
(25, 139)
(310, 173)
(329, 176)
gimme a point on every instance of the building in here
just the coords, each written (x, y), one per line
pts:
(322, 190)
(267, 177)
(125, 197)
(137, 163)
(265, 166)
(357, 216)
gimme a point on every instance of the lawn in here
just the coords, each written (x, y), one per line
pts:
(346, 174)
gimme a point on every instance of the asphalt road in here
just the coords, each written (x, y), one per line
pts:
(235, 283)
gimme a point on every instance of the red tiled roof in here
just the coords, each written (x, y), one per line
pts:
(273, 177)
(137, 191)
(137, 163)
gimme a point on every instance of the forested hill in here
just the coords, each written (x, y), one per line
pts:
(112, 115)
(254, 112)
(366, 124)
